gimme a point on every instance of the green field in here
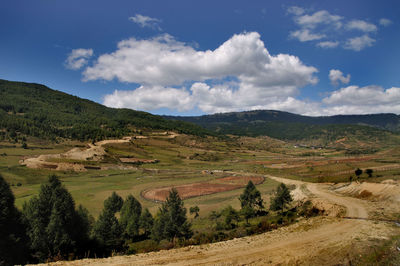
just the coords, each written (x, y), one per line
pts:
(184, 160)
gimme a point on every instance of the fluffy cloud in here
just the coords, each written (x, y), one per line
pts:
(145, 21)
(324, 25)
(385, 22)
(361, 25)
(164, 61)
(364, 100)
(319, 17)
(337, 76)
(328, 44)
(78, 58)
(224, 99)
(238, 75)
(150, 98)
(304, 35)
(359, 43)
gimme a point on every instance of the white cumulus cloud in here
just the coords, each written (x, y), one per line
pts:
(361, 25)
(337, 76)
(145, 21)
(78, 58)
(319, 17)
(238, 75)
(150, 98)
(359, 43)
(363, 100)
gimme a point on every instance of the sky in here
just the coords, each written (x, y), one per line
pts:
(201, 57)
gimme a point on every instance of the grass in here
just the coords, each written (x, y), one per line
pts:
(177, 166)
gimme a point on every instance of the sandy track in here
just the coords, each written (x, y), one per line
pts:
(316, 241)
(355, 208)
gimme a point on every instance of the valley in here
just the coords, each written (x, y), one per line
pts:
(344, 179)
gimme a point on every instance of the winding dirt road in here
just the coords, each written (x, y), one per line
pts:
(316, 241)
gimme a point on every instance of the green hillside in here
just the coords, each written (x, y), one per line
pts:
(288, 126)
(36, 110)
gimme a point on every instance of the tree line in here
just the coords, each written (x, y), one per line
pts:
(50, 227)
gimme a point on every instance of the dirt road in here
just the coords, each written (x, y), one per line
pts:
(316, 241)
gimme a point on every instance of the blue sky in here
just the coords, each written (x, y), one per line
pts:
(197, 57)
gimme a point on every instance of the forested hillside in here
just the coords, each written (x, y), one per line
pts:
(383, 121)
(288, 126)
(36, 110)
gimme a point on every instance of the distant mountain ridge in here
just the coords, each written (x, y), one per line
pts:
(387, 121)
(289, 126)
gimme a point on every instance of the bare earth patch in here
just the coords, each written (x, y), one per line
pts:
(202, 188)
(94, 152)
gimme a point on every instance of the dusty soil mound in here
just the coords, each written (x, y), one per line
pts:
(94, 152)
(387, 190)
(202, 188)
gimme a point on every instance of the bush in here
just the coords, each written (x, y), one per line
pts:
(143, 246)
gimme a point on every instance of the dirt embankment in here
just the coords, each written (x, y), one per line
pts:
(316, 241)
(94, 152)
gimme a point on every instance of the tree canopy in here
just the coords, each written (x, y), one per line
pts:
(171, 221)
(251, 197)
(53, 223)
(13, 238)
(281, 199)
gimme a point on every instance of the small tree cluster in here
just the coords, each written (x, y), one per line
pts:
(112, 233)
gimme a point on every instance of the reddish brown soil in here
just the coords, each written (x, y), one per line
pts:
(202, 188)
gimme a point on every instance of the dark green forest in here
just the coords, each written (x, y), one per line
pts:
(288, 126)
(36, 110)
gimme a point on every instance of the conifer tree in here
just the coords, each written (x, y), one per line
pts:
(171, 221)
(146, 222)
(107, 230)
(251, 197)
(52, 221)
(13, 238)
(282, 198)
(130, 216)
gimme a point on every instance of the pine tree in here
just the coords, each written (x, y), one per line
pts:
(107, 230)
(282, 198)
(171, 221)
(13, 238)
(251, 197)
(146, 222)
(52, 221)
(130, 216)
(113, 203)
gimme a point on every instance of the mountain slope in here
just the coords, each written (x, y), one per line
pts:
(36, 110)
(288, 126)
